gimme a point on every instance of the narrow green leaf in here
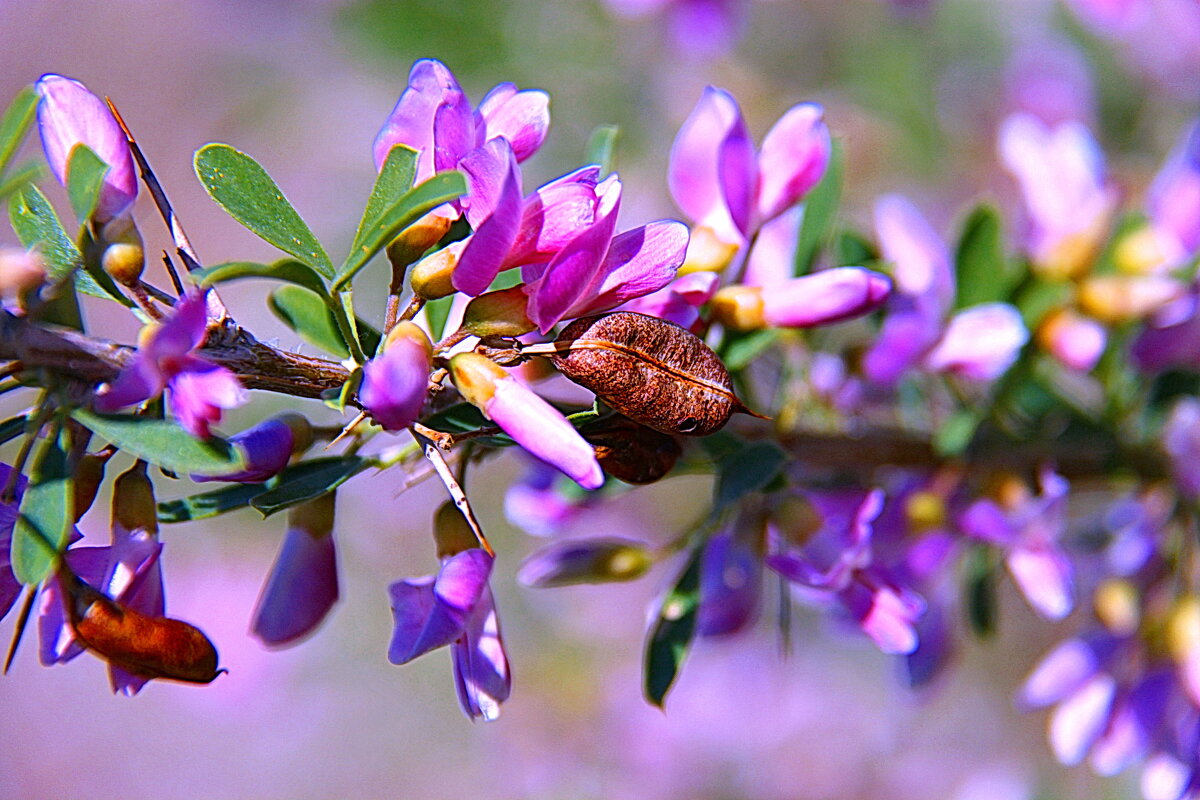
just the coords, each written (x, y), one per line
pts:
(462, 418)
(286, 269)
(15, 124)
(672, 634)
(309, 316)
(36, 225)
(956, 433)
(820, 209)
(414, 204)
(437, 312)
(984, 274)
(395, 178)
(243, 188)
(602, 148)
(44, 522)
(1038, 298)
(750, 468)
(308, 480)
(85, 177)
(980, 591)
(852, 249)
(29, 172)
(163, 443)
(740, 349)
(12, 428)
(209, 504)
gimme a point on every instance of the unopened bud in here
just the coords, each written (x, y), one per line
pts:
(475, 376)
(123, 258)
(1183, 629)
(451, 531)
(593, 561)
(408, 331)
(1140, 252)
(499, 313)
(925, 511)
(413, 241)
(1116, 605)
(706, 252)
(1124, 298)
(431, 277)
(302, 432)
(739, 308)
(133, 506)
(89, 474)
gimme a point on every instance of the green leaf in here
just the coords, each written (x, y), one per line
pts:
(414, 204)
(437, 312)
(243, 188)
(1039, 298)
(852, 249)
(44, 523)
(395, 178)
(820, 209)
(956, 433)
(29, 172)
(308, 315)
(980, 590)
(672, 634)
(738, 350)
(602, 148)
(464, 417)
(85, 178)
(308, 480)
(209, 504)
(12, 428)
(15, 124)
(288, 270)
(164, 443)
(36, 225)
(984, 274)
(750, 468)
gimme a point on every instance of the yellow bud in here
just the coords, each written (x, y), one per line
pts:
(1140, 252)
(739, 308)
(706, 252)
(475, 377)
(431, 277)
(925, 511)
(123, 257)
(1183, 628)
(1116, 605)
(411, 331)
(451, 531)
(1124, 298)
(499, 313)
(302, 432)
(133, 505)
(413, 241)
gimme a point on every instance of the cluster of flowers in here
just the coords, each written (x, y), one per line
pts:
(879, 545)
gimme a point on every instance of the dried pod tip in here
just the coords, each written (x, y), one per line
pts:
(499, 313)
(652, 371)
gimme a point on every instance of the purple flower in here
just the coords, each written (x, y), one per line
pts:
(1174, 201)
(433, 116)
(396, 382)
(718, 179)
(266, 449)
(535, 424)
(542, 501)
(698, 27)
(69, 115)
(978, 343)
(679, 301)
(730, 581)
(836, 561)
(10, 587)
(1028, 534)
(303, 584)
(455, 608)
(1061, 174)
(1074, 340)
(1181, 440)
(199, 389)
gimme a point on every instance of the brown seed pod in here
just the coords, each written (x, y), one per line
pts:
(150, 647)
(650, 370)
(631, 452)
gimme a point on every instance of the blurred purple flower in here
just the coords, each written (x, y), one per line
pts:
(455, 608)
(978, 343)
(10, 587)
(730, 581)
(539, 503)
(1049, 78)
(1028, 534)
(69, 115)
(595, 560)
(721, 183)
(199, 389)
(1181, 441)
(1075, 340)
(1173, 202)
(700, 28)
(837, 562)
(679, 301)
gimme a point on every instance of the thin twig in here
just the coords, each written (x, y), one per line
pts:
(171, 271)
(457, 495)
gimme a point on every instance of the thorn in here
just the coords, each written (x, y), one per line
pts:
(19, 631)
(346, 431)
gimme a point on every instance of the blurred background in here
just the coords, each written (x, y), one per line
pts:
(915, 91)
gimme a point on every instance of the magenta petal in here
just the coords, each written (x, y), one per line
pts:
(543, 431)
(69, 114)
(737, 171)
(486, 250)
(453, 131)
(481, 675)
(825, 297)
(411, 121)
(200, 391)
(1044, 577)
(300, 590)
(693, 174)
(55, 637)
(1080, 719)
(638, 262)
(920, 259)
(773, 259)
(1059, 673)
(886, 614)
(520, 117)
(794, 156)
(395, 384)
(554, 215)
(183, 331)
(138, 382)
(980, 343)
(266, 449)
(910, 328)
(986, 521)
(1174, 198)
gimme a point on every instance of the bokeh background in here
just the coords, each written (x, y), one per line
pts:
(915, 92)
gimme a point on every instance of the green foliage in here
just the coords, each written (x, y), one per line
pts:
(286, 269)
(243, 188)
(164, 443)
(44, 523)
(750, 468)
(308, 315)
(85, 178)
(820, 210)
(209, 504)
(308, 480)
(394, 179)
(15, 124)
(956, 433)
(984, 274)
(739, 349)
(673, 631)
(437, 312)
(29, 172)
(602, 148)
(979, 589)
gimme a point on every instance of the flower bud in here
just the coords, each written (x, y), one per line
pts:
(396, 382)
(1124, 298)
(925, 511)
(589, 561)
(1183, 629)
(123, 257)
(266, 448)
(1140, 252)
(706, 252)
(825, 297)
(89, 474)
(413, 241)
(21, 271)
(431, 277)
(133, 506)
(451, 531)
(1116, 606)
(499, 313)
(1075, 340)
(475, 376)
(739, 308)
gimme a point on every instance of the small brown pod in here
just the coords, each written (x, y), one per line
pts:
(650, 370)
(631, 452)
(150, 647)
